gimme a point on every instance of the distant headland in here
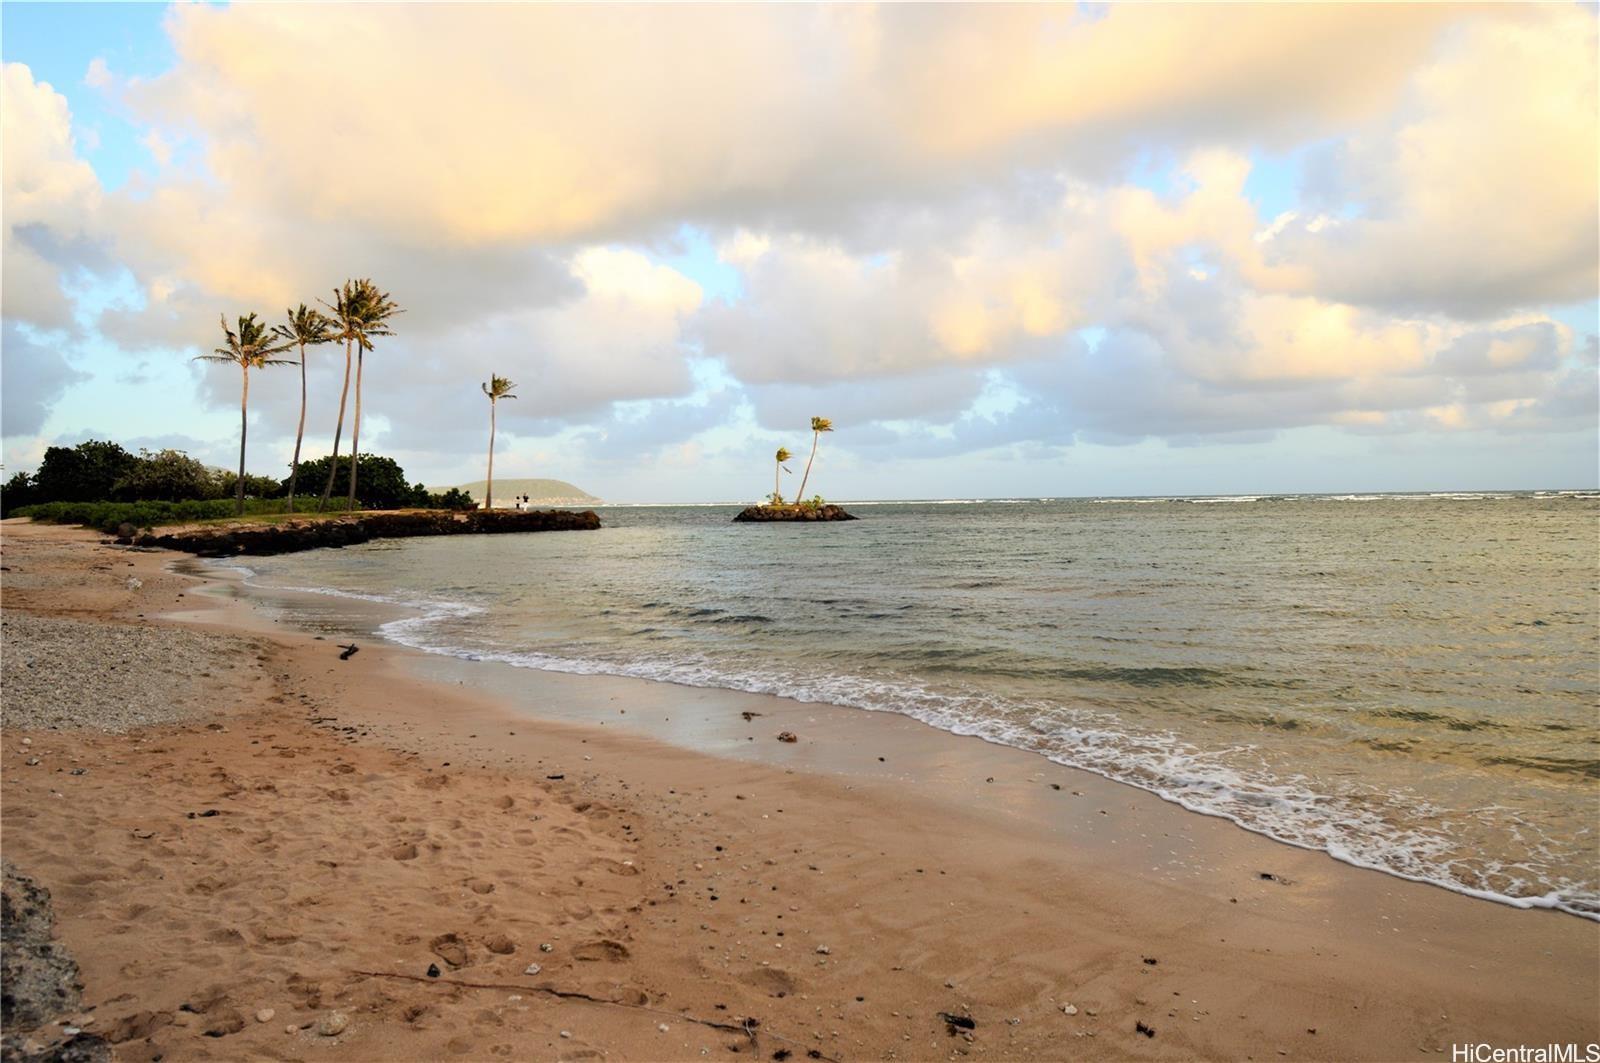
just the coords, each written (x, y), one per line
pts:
(540, 492)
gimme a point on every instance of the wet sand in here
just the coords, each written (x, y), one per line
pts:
(686, 870)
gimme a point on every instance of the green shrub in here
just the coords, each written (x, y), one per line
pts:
(107, 516)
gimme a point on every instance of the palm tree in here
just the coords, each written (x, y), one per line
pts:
(360, 311)
(254, 346)
(783, 455)
(307, 328)
(819, 425)
(345, 321)
(375, 310)
(497, 388)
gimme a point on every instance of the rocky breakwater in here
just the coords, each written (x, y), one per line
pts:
(291, 536)
(756, 514)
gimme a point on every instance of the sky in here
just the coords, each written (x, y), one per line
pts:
(1009, 250)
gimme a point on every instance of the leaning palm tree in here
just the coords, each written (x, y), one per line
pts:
(782, 456)
(497, 388)
(819, 425)
(254, 346)
(345, 323)
(375, 310)
(307, 328)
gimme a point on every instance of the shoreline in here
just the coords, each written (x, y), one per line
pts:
(723, 737)
(1010, 898)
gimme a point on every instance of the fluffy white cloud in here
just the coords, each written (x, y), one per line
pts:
(925, 208)
(1481, 191)
(50, 195)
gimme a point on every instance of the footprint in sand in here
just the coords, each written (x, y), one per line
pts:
(602, 949)
(616, 867)
(451, 949)
(499, 944)
(772, 981)
(404, 851)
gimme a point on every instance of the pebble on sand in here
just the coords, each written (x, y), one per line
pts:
(265, 1014)
(333, 1024)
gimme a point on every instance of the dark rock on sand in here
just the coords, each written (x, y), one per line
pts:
(758, 514)
(38, 980)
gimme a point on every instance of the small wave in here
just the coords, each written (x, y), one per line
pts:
(1553, 765)
(1292, 811)
(1353, 827)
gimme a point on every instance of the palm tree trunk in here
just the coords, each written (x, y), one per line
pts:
(355, 435)
(244, 429)
(488, 485)
(801, 497)
(333, 462)
(300, 432)
(777, 481)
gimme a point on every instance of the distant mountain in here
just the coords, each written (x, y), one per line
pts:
(541, 492)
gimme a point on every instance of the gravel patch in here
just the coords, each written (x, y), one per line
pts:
(110, 677)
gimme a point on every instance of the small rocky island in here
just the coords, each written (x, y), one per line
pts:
(753, 514)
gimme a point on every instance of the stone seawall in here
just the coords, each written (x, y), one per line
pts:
(292, 536)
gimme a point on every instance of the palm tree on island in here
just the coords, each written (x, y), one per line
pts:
(782, 456)
(307, 328)
(819, 425)
(497, 388)
(254, 346)
(376, 308)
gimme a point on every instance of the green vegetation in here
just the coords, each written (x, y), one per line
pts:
(106, 516)
(782, 456)
(497, 388)
(819, 425)
(101, 485)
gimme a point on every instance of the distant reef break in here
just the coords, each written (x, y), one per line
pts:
(291, 537)
(757, 514)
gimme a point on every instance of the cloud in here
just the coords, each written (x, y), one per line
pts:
(555, 122)
(954, 229)
(34, 375)
(50, 197)
(1480, 193)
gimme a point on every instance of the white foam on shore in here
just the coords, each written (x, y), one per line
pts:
(1291, 810)
(1288, 810)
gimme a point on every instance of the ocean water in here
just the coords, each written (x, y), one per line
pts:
(1410, 683)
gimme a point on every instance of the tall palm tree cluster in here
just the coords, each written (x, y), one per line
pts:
(360, 311)
(819, 425)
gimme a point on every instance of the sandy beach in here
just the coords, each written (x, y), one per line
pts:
(256, 849)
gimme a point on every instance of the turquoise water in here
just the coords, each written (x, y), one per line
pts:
(1406, 682)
